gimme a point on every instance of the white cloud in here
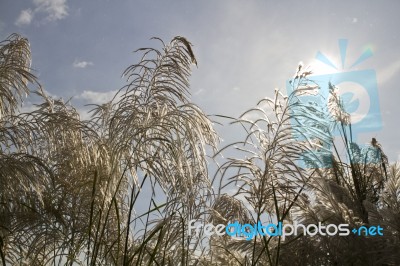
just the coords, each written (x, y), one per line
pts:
(199, 91)
(24, 18)
(51, 9)
(96, 97)
(55, 9)
(27, 107)
(389, 72)
(82, 64)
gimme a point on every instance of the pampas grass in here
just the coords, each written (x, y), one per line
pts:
(121, 187)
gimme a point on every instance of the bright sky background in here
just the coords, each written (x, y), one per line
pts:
(244, 49)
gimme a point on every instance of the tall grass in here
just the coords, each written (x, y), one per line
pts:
(121, 187)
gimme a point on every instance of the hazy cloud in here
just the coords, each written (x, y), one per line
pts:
(82, 64)
(199, 91)
(24, 18)
(51, 9)
(96, 97)
(55, 9)
(389, 72)
(28, 107)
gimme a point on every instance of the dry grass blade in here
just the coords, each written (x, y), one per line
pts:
(15, 72)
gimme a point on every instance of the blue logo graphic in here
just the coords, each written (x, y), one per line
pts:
(357, 93)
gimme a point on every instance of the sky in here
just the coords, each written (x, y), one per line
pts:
(244, 49)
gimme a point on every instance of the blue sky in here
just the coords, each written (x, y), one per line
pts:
(244, 49)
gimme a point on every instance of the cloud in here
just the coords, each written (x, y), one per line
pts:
(55, 9)
(389, 72)
(28, 107)
(199, 91)
(96, 97)
(82, 64)
(24, 18)
(51, 9)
